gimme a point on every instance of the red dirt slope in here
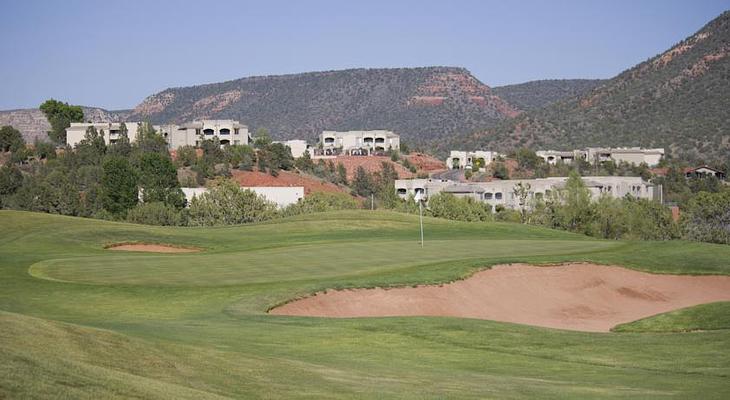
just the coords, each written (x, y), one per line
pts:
(285, 178)
(370, 164)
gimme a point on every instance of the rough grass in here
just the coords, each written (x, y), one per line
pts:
(704, 317)
(194, 325)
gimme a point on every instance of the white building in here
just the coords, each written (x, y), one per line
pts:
(281, 195)
(502, 192)
(553, 157)
(189, 134)
(594, 155)
(466, 159)
(297, 147)
(631, 155)
(358, 142)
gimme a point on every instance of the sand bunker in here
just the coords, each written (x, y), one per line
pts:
(581, 297)
(151, 248)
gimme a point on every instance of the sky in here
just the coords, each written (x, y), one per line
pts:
(113, 54)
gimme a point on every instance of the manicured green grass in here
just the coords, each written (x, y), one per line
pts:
(78, 321)
(703, 317)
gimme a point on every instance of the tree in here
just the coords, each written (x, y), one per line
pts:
(304, 163)
(280, 157)
(60, 115)
(158, 180)
(499, 170)
(573, 207)
(522, 192)
(11, 179)
(91, 148)
(44, 150)
(226, 204)
(362, 183)
(341, 174)
(10, 139)
(149, 141)
(708, 218)
(385, 185)
(123, 146)
(118, 185)
(261, 138)
(446, 205)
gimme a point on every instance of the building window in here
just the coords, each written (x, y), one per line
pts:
(488, 196)
(235, 131)
(225, 131)
(197, 131)
(402, 191)
(208, 131)
(498, 196)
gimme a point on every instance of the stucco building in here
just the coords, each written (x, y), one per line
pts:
(468, 159)
(358, 142)
(188, 134)
(594, 155)
(501, 192)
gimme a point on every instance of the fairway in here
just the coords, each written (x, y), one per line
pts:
(80, 321)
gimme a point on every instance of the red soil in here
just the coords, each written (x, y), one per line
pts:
(370, 164)
(285, 178)
(425, 162)
(582, 297)
(152, 248)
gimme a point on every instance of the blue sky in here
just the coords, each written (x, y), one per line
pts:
(113, 54)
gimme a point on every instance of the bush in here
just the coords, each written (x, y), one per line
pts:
(157, 213)
(446, 205)
(321, 202)
(708, 218)
(227, 204)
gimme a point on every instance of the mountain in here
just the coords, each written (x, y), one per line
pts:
(679, 100)
(538, 94)
(421, 104)
(32, 123)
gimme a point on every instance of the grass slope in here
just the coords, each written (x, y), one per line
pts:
(703, 317)
(79, 321)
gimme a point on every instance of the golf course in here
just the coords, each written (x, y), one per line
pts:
(81, 319)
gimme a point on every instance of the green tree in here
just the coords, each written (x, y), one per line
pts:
(44, 150)
(118, 185)
(158, 180)
(261, 138)
(573, 208)
(122, 146)
(522, 193)
(341, 174)
(499, 170)
(91, 149)
(362, 183)
(10, 139)
(149, 140)
(304, 163)
(707, 218)
(446, 205)
(60, 115)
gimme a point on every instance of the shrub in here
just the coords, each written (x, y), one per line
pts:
(321, 202)
(156, 213)
(227, 204)
(708, 218)
(446, 205)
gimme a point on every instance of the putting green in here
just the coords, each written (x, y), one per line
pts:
(293, 262)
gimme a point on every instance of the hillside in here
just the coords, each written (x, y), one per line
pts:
(32, 123)
(677, 100)
(538, 94)
(419, 103)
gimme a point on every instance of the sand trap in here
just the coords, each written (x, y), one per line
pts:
(151, 248)
(582, 297)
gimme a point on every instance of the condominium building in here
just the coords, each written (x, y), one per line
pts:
(502, 192)
(189, 134)
(358, 142)
(594, 155)
(467, 159)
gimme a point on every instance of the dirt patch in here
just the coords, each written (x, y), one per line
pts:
(151, 248)
(285, 178)
(582, 297)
